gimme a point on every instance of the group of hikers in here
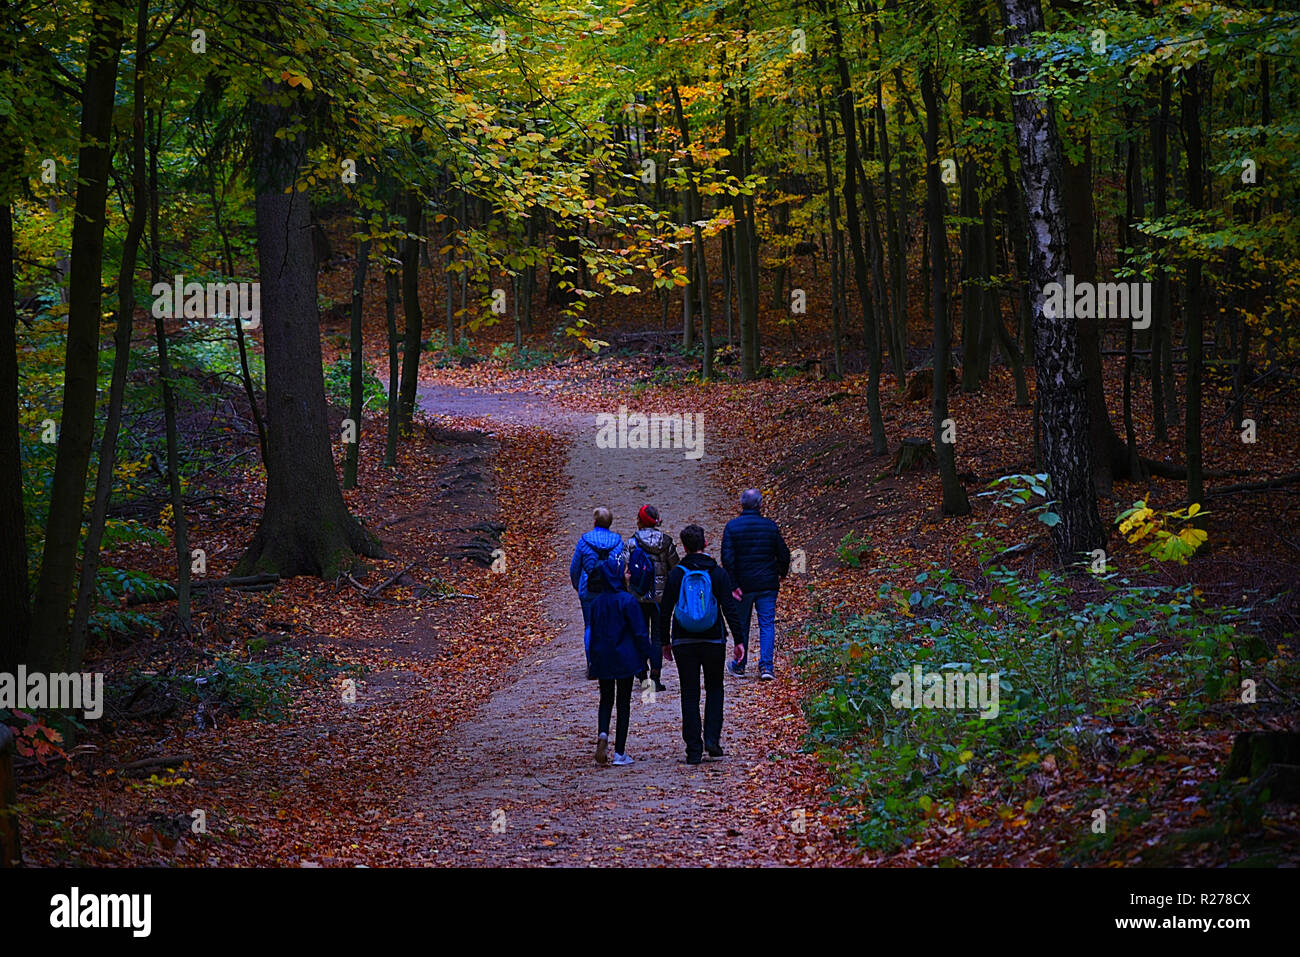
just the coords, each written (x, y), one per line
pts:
(644, 604)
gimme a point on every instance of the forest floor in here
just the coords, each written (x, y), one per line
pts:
(430, 711)
(469, 734)
(517, 783)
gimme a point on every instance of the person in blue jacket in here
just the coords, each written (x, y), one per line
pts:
(620, 644)
(756, 557)
(592, 549)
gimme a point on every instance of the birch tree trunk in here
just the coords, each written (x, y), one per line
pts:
(1063, 403)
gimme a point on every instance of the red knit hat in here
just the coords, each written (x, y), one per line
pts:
(648, 517)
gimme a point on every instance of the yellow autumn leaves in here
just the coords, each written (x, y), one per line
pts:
(1167, 542)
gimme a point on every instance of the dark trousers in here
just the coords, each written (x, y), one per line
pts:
(706, 657)
(651, 613)
(607, 689)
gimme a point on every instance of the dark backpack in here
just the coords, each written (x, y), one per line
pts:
(602, 554)
(641, 567)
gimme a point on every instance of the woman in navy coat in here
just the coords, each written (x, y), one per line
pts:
(620, 644)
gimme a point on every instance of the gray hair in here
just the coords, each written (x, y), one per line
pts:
(751, 498)
(602, 517)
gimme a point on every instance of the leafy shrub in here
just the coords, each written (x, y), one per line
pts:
(210, 347)
(525, 357)
(458, 354)
(1067, 668)
(116, 584)
(107, 622)
(261, 690)
(852, 548)
(338, 385)
(1168, 542)
(1022, 490)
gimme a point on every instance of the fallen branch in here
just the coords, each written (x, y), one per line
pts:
(371, 593)
(1018, 549)
(251, 582)
(1278, 482)
(167, 761)
(1171, 471)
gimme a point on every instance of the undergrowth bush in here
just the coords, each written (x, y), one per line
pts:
(338, 385)
(1070, 668)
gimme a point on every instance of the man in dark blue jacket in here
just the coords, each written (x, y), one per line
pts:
(593, 549)
(756, 557)
(701, 650)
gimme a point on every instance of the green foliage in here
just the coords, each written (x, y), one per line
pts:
(251, 690)
(1069, 668)
(118, 532)
(1029, 491)
(458, 354)
(209, 348)
(108, 622)
(852, 548)
(525, 357)
(115, 585)
(338, 385)
(1172, 536)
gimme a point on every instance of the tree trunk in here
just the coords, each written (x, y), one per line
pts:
(833, 207)
(15, 590)
(180, 529)
(411, 307)
(725, 240)
(1129, 238)
(228, 258)
(894, 241)
(1163, 401)
(121, 348)
(1109, 456)
(1062, 397)
(356, 365)
(392, 290)
(306, 528)
(49, 649)
(1193, 319)
(702, 263)
(1016, 224)
(450, 293)
(870, 332)
(955, 501)
(746, 289)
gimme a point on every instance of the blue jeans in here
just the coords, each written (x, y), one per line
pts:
(765, 602)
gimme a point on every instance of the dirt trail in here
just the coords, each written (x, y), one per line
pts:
(518, 784)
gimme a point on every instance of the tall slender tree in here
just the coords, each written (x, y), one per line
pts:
(1065, 444)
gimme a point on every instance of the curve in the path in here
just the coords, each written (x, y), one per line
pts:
(518, 783)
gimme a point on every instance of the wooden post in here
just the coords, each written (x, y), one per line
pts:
(11, 854)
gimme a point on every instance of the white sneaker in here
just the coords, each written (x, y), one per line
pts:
(621, 759)
(601, 744)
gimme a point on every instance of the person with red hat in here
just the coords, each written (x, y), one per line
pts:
(649, 555)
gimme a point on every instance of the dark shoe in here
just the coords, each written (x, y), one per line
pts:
(659, 685)
(734, 670)
(715, 750)
(694, 758)
(767, 675)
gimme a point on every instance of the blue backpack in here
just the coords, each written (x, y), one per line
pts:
(697, 609)
(642, 569)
